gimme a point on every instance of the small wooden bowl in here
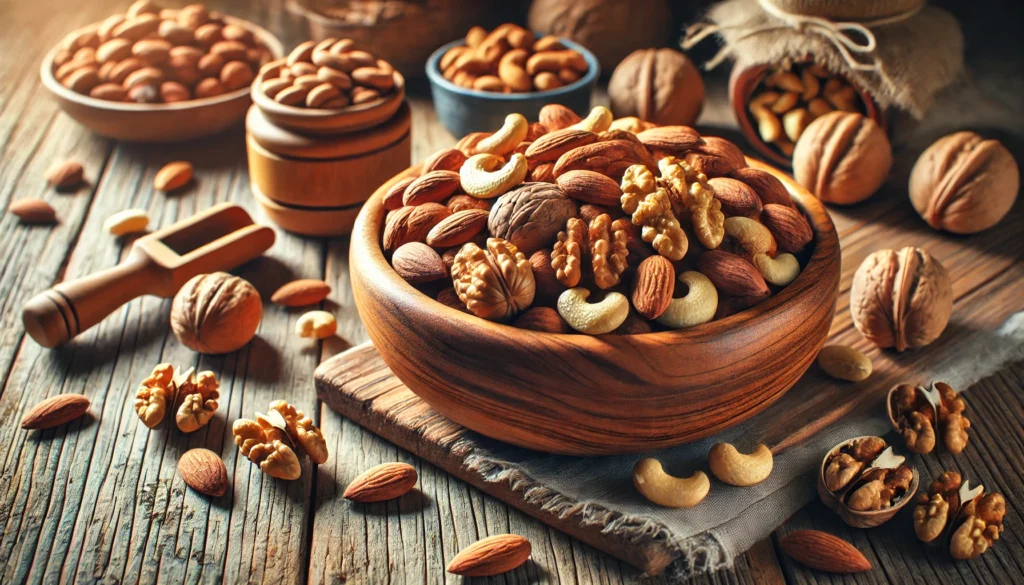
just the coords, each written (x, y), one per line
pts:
(155, 122)
(463, 110)
(584, 395)
(323, 122)
(742, 83)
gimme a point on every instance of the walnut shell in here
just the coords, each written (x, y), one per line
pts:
(530, 216)
(964, 184)
(842, 158)
(901, 299)
(216, 313)
(658, 85)
(611, 29)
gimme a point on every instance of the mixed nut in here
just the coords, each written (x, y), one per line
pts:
(726, 462)
(510, 59)
(328, 74)
(585, 217)
(160, 55)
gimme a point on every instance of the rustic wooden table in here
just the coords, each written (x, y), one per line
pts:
(100, 500)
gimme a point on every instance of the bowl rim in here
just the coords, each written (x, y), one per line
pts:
(46, 72)
(435, 76)
(826, 250)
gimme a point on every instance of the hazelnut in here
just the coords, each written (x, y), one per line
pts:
(842, 158)
(658, 85)
(530, 216)
(901, 299)
(964, 184)
(216, 313)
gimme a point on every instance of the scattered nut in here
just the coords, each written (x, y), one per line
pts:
(216, 313)
(198, 398)
(842, 157)
(735, 468)
(203, 471)
(316, 325)
(173, 176)
(33, 211)
(301, 293)
(658, 85)
(383, 482)
(302, 431)
(256, 440)
(129, 221)
(55, 411)
(844, 363)
(154, 395)
(65, 176)
(490, 556)
(663, 489)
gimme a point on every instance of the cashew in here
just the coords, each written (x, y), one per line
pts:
(794, 122)
(316, 325)
(750, 233)
(598, 120)
(768, 125)
(780, 271)
(735, 468)
(507, 138)
(129, 221)
(484, 177)
(765, 99)
(592, 318)
(785, 103)
(663, 489)
(785, 80)
(698, 306)
(811, 85)
(818, 107)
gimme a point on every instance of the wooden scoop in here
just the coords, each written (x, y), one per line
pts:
(220, 238)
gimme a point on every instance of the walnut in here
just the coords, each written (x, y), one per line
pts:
(842, 157)
(651, 208)
(881, 489)
(692, 195)
(154, 394)
(867, 449)
(982, 524)
(846, 464)
(608, 250)
(901, 299)
(567, 255)
(302, 431)
(216, 313)
(658, 85)
(953, 423)
(530, 216)
(934, 508)
(275, 458)
(913, 417)
(198, 397)
(964, 184)
(495, 283)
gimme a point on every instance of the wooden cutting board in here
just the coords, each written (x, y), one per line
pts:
(986, 271)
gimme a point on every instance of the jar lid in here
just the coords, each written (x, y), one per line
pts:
(848, 10)
(285, 142)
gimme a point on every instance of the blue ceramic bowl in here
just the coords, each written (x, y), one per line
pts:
(463, 110)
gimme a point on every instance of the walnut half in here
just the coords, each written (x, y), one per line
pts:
(495, 283)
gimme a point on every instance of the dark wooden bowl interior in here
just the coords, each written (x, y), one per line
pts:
(586, 395)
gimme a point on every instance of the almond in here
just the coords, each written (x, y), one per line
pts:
(556, 117)
(610, 158)
(418, 263)
(33, 211)
(736, 197)
(732, 275)
(203, 471)
(173, 175)
(55, 411)
(543, 319)
(653, 285)
(844, 363)
(542, 173)
(458, 228)
(768, 187)
(383, 482)
(392, 199)
(412, 224)
(788, 225)
(590, 187)
(491, 556)
(671, 139)
(463, 202)
(66, 175)
(824, 552)
(450, 159)
(301, 293)
(432, 187)
(554, 144)
(716, 157)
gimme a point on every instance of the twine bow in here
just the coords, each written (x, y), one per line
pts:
(837, 33)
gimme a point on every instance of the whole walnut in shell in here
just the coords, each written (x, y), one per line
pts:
(964, 184)
(842, 158)
(530, 216)
(901, 299)
(658, 85)
(216, 313)
(611, 29)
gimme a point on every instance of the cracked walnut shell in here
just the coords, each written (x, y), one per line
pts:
(495, 283)
(901, 299)
(216, 313)
(530, 216)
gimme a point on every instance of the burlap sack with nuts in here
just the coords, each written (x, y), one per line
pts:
(900, 51)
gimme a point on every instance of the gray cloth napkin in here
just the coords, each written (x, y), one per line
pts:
(600, 492)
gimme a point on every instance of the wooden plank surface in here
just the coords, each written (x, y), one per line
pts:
(99, 500)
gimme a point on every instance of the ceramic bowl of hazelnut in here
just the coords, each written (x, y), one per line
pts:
(478, 80)
(588, 289)
(156, 74)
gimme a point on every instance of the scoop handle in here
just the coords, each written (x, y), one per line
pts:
(54, 316)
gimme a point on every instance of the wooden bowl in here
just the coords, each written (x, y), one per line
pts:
(321, 122)
(463, 110)
(584, 395)
(742, 83)
(155, 122)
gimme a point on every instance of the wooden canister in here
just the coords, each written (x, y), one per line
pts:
(316, 184)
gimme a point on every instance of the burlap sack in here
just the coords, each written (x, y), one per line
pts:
(901, 52)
